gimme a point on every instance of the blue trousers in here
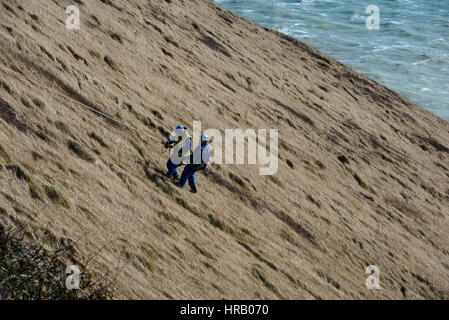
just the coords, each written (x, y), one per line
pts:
(188, 175)
(172, 169)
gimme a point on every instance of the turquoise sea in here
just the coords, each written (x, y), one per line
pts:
(409, 53)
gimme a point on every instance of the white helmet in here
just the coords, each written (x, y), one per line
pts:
(204, 138)
(180, 130)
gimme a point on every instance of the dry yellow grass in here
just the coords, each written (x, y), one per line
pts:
(363, 173)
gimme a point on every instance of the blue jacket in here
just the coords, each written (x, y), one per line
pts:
(199, 159)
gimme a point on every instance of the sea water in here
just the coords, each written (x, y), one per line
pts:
(408, 53)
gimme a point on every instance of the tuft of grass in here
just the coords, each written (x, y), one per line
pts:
(237, 179)
(182, 203)
(116, 37)
(26, 102)
(4, 154)
(164, 132)
(276, 180)
(384, 157)
(34, 191)
(94, 53)
(259, 274)
(219, 224)
(145, 120)
(79, 151)
(60, 166)
(6, 87)
(39, 103)
(110, 62)
(171, 218)
(56, 197)
(138, 149)
(157, 114)
(20, 174)
(97, 138)
(343, 159)
(36, 156)
(155, 177)
(359, 180)
(328, 279)
(63, 127)
(48, 54)
(315, 202)
(193, 210)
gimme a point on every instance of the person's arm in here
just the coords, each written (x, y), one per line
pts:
(171, 141)
(168, 143)
(205, 155)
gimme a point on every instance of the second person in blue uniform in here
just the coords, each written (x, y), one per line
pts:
(198, 161)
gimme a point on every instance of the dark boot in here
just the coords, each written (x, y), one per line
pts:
(178, 185)
(193, 190)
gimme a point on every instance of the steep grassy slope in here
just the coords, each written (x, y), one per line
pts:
(363, 173)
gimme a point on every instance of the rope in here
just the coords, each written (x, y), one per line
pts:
(79, 103)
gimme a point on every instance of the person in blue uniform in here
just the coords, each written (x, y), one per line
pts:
(198, 161)
(181, 142)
